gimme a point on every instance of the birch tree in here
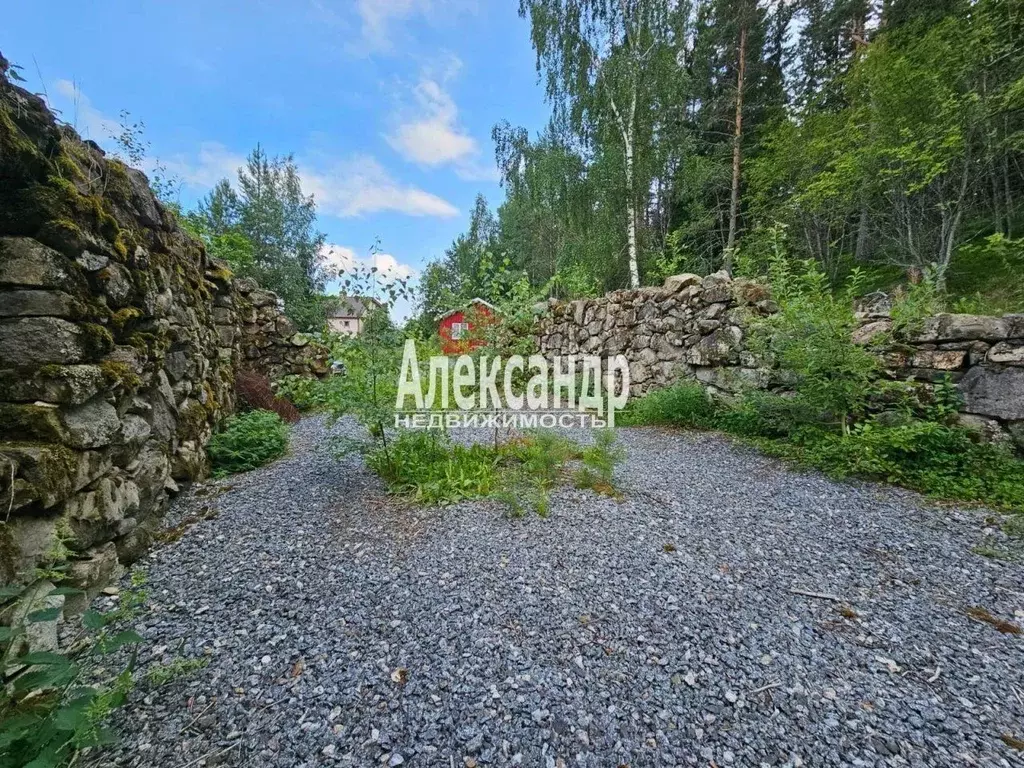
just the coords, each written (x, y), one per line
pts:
(594, 56)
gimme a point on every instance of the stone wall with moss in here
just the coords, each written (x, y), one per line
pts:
(698, 328)
(119, 343)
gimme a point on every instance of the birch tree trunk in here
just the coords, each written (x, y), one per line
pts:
(734, 202)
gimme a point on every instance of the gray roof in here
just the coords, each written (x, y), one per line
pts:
(354, 306)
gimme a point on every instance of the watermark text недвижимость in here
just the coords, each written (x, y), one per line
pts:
(520, 392)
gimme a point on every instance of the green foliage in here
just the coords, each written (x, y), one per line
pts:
(685, 404)
(913, 304)
(765, 414)
(599, 463)
(542, 453)
(372, 361)
(811, 339)
(248, 440)
(267, 230)
(430, 468)
(943, 461)
(53, 704)
(987, 276)
(304, 392)
(178, 668)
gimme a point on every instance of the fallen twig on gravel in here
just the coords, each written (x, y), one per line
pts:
(819, 595)
(764, 688)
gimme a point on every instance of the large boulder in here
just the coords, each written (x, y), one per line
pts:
(92, 425)
(62, 384)
(29, 263)
(38, 303)
(676, 283)
(32, 341)
(994, 391)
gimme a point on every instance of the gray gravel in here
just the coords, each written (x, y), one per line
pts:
(656, 631)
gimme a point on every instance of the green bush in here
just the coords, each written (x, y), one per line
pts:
(542, 453)
(599, 463)
(811, 340)
(248, 440)
(925, 456)
(764, 414)
(304, 392)
(685, 404)
(429, 467)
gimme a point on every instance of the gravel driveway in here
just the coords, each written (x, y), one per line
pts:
(344, 628)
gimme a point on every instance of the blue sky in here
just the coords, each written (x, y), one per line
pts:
(387, 104)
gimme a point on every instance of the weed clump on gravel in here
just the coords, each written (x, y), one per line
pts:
(520, 473)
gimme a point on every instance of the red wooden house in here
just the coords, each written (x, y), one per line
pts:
(456, 326)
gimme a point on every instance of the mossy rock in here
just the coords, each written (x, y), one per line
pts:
(192, 420)
(29, 421)
(98, 340)
(117, 373)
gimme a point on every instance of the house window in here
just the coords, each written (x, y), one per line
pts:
(346, 323)
(458, 330)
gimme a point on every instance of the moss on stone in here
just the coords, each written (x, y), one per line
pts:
(211, 404)
(192, 418)
(98, 339)
(118, 186)
(122, 317)
(118, 373)
(17, 153)
(150, 344)
(28, 421)
(221, 273)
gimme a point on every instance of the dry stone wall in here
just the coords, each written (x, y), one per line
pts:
(119, 343)
(692, 328)
(698, 328)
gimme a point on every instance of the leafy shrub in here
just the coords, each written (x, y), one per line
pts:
(811, 339)
(431, 468)
(254, 391)
(764, 414)
(913, 303)
(542, 452)
(53, 705)
(599, 463)
(304, 392)
(925, 456)
(685, 404)
(248, 440)
(604, 455)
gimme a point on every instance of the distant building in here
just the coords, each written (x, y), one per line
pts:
(349, 315)
(454, 326)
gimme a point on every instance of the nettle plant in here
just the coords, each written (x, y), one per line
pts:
(53, 705)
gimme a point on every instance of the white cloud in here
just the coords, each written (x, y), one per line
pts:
(430, 134)
(213, 162)
(347, 188)
(378, 16)
(342, 258)
(83, 116)
(361, 185)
